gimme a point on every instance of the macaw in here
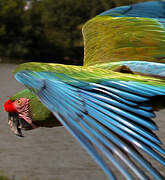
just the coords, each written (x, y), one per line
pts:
(108, 103)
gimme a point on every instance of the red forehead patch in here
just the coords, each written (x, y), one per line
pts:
(9, 107)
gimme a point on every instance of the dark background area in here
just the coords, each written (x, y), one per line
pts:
(47, 30)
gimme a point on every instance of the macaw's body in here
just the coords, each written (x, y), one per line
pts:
(108, 103)
(38, 112)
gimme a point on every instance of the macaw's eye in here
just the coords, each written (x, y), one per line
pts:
(19, 102)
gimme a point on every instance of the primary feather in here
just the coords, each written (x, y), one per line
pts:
(107, 104)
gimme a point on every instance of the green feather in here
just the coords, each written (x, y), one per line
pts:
(38, 112)
(108, 39)
(95, 73)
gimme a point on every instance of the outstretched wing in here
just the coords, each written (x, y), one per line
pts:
(103, 112)
(134, 32)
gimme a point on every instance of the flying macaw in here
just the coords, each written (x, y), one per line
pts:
(108, 103)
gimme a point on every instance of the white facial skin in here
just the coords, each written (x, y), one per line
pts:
(22, 107)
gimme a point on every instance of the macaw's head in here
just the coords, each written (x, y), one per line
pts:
(26, 112)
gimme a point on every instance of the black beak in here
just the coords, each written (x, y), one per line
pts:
(17, 124)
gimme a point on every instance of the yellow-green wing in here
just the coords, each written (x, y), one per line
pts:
(93, 74)
(118, 35)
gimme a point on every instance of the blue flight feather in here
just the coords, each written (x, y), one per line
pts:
(108, 109)
(148, 68)
(88, 113)
(120, 105)
(98, 115)
(111, 116)
(146, 88)
(116, 97)
(153, 9)
(128, 88)
(124, 94)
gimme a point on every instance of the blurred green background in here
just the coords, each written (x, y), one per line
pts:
(47, 30)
